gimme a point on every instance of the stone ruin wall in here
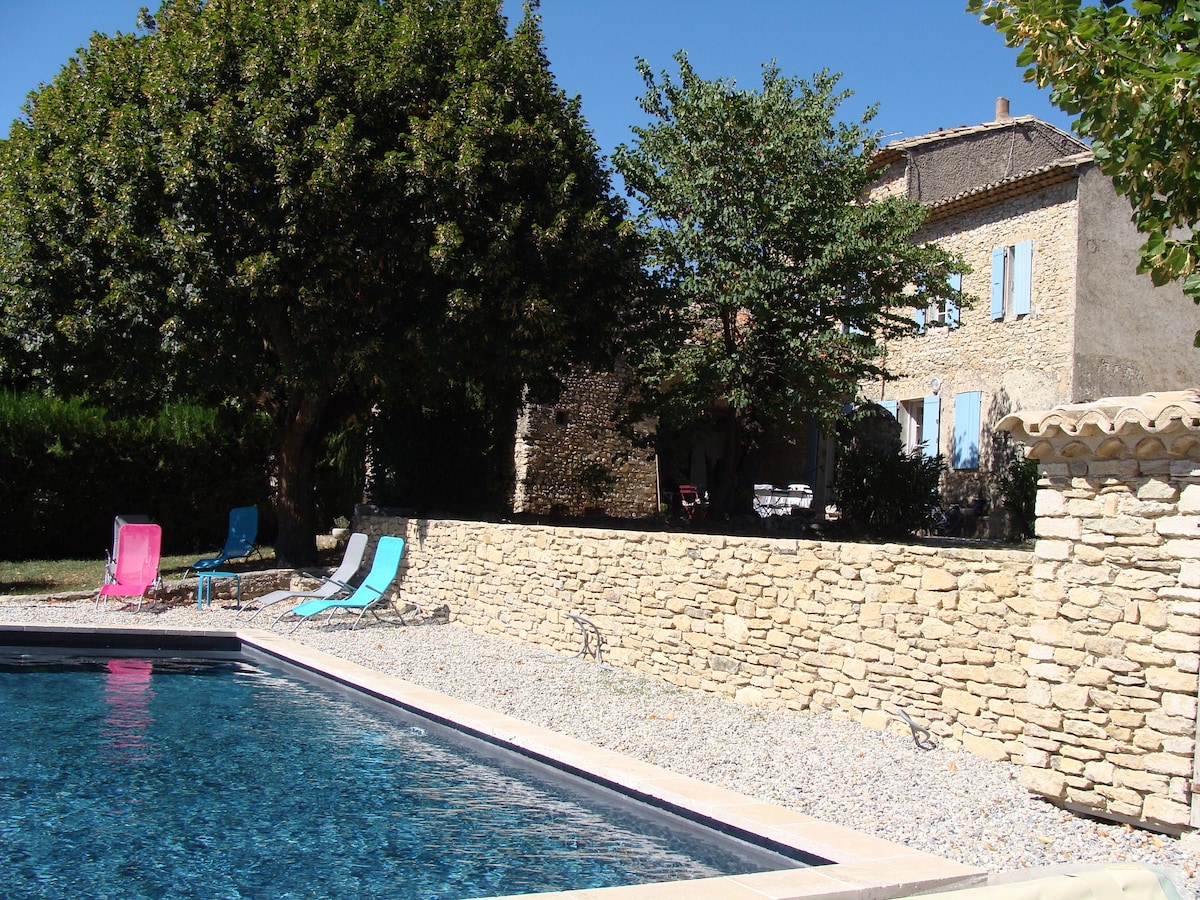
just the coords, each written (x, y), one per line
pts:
(557, 445)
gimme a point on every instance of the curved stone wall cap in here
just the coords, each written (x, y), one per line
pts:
(1157, 412)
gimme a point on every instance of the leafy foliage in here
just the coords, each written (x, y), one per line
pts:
(69, 469)
(1133, 78)
(882, 491)
(773, 277)
(312, 208)
(1016, 484)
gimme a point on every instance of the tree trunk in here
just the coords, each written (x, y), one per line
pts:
(721, 493)
(296, 544)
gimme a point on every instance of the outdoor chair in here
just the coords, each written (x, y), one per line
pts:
(110, 556)
(384, 569)
(331, 585)
(694, 507)
(139, 549)
(240, 542)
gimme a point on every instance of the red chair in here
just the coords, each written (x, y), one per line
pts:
(689, 498)
(139, 549)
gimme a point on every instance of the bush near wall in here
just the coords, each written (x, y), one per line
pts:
(69, 469)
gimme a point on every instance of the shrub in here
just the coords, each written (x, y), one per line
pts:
(1016, 483)
(882, 491)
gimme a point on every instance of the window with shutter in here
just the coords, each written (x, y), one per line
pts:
(953, 319)
(966, 429)
(1022, 280)
(999, 280)
(1012, 280)
(931, 409)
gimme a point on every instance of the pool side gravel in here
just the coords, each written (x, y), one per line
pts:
(943, 802)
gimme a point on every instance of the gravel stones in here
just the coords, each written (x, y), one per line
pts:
(945, 802)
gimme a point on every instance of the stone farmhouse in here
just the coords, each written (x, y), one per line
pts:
(1053, 311)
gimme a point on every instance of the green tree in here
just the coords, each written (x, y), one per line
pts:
(1133, 78)
(775, 279)
(307, 208)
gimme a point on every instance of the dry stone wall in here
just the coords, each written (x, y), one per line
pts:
(1115, 639)
(1077, 661)
(855, 629)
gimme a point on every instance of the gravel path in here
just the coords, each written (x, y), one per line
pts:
(942, 801)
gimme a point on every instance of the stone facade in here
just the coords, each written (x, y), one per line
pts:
(1020, 362)
(1077, 661)
(1093, 326)
(571, 458)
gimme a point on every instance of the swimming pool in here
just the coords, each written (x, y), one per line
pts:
(343, 861)
(139, 777)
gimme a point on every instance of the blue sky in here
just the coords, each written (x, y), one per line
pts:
(927, 64)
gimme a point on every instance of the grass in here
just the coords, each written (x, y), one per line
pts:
(62, 575)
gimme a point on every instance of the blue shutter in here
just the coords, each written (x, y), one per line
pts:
(919, 320)
(966, 429)
(931, 415)
(998, 283)
(952, 314)
(1022, 277)
(892, 406)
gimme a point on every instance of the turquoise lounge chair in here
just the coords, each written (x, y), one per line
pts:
(331, 586)
(384, 569)
(241, 540)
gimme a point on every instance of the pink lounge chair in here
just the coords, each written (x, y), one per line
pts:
(135, 571)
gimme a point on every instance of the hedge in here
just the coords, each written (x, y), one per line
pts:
(66, 470)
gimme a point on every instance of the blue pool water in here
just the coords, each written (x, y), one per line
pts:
(139, 778)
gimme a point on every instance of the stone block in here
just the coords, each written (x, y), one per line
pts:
(1178, 526)
(875, 719)
(1167, 812)
(1168, 764)
(961, 702)
(1099, 772)
(1142, 782)
(1059, 528)
(1181, 705)
(749, 696)
(735, 628)
(1070, 696)
(1048, 549)
(1055, 633)
(1171, 680)
(1046, 782)
(984, 747)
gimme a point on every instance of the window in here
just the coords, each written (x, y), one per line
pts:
(966, 429)
(941, 312)
(919, 419)
(1012, 280)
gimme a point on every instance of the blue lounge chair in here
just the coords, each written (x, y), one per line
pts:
(241, 541)
(384, 569)
(331, 586)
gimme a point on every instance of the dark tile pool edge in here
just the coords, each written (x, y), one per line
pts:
(862, 867)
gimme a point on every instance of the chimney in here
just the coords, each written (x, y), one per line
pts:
(1002, 114)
